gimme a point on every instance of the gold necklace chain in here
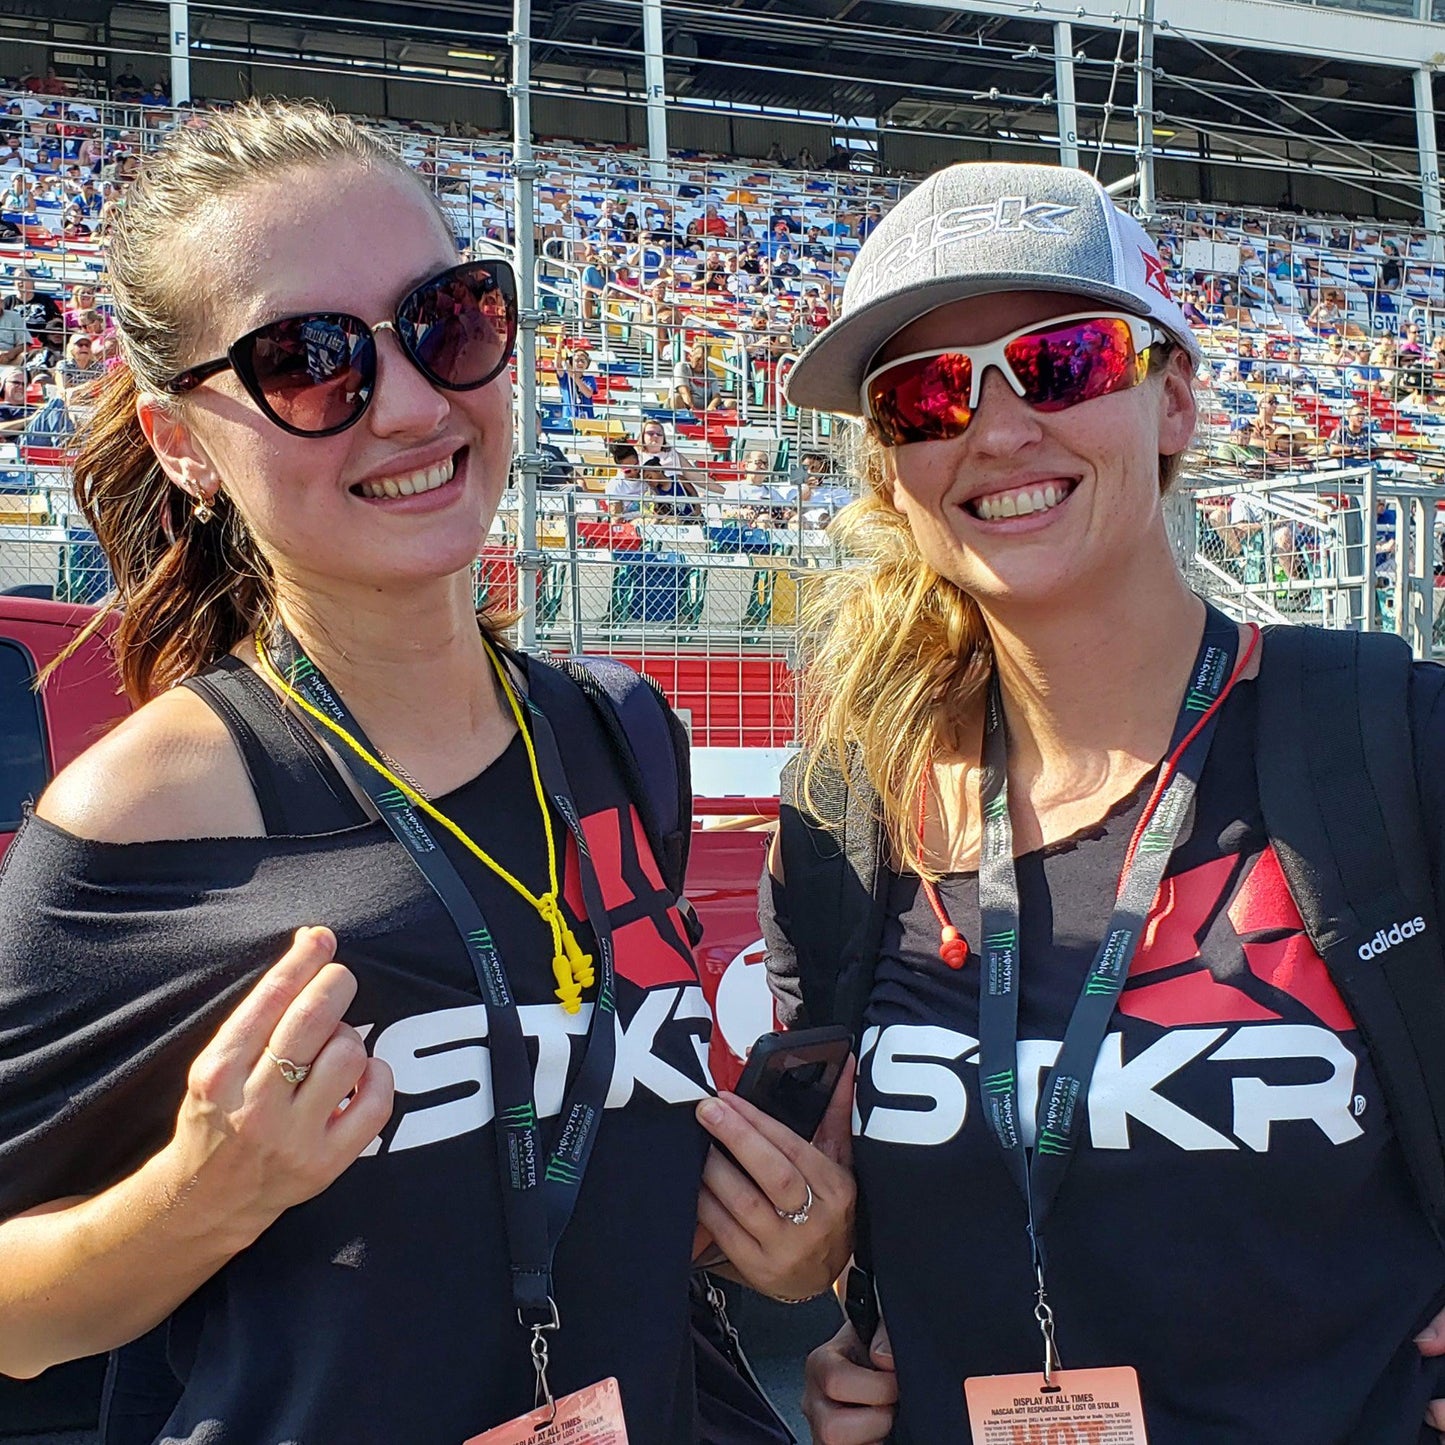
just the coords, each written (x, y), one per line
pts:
(401, 772)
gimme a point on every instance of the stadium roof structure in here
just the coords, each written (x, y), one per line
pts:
(909, 83)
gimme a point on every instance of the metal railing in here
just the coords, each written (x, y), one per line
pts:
(1349, 549)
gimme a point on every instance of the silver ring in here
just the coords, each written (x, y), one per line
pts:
(797, 1216)
(295, 1073)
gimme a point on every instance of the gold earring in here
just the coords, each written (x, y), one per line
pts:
(203, 511)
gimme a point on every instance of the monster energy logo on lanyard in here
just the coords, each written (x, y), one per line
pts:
(539, 1188)
(1063, 1099)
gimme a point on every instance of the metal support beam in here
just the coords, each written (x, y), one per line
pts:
(656, 82)
(1064, 93)
(180, 47)
(1144, 109)
(1320, 31)
(1429, 156)
(524, 173)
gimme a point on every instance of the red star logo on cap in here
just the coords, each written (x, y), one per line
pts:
(1154, 276)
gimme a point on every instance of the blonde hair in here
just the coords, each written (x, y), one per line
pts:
(187, 591)
(895, 656)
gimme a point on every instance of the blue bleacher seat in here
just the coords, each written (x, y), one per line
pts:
(734, 537)
(652, 589)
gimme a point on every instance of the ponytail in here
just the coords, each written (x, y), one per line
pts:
(186, 591)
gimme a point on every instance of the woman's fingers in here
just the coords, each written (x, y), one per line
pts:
(308, 1025)
(1431, 1340)
(835, 1134)
(768, 1153)
(352, 1128)
(243, 1035)
(880, 1352)
(740, 1241)
(748, 1212)
(779, 1135)
(845, 1401)
(335, 1071)
(847, 1424)
(852, 1379)
(253, 1137)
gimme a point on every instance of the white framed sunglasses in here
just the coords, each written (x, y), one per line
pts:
(1052, 364)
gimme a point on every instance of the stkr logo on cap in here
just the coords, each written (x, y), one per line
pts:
(1005, 215)
(1154, 277)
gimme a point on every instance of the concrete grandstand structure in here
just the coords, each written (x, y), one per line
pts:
(683, 188)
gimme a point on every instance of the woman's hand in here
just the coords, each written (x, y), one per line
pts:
(1431, 1343)
(847, 1399)
(249, 1138)
(81, 1276)
(744, 1205)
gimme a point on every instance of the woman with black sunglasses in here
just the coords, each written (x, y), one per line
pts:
(1132, 1155)
(407, 1198)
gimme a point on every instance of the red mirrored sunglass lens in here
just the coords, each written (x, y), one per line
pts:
(926, 399)
(1062, 367)
(461, 326)
(314, 372)
(922, 400)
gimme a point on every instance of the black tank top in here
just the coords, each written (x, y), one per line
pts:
(379, 1310)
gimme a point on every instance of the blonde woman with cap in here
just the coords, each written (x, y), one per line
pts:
(1112, 1108)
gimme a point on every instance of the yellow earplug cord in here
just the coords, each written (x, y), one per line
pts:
(571, 967)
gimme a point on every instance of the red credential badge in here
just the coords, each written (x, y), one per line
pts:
(1077, 1407)
(590, 1417)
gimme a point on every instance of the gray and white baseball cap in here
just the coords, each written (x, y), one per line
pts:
(973, 230)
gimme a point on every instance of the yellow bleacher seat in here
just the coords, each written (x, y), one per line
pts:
(22, 511)
(599, 426)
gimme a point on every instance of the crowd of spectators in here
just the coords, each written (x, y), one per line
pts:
(674, 303)
(1326, 340)
(652, 479)
(704, 267)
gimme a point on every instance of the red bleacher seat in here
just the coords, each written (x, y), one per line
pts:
(616, 536)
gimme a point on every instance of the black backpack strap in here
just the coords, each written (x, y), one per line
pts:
(835, 879)
(298, 789)
(1341, 805)
(651, 746)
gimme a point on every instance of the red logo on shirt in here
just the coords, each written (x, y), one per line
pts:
(647, 933)
(1262, 965)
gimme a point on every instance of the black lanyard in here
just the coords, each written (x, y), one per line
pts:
(1063, 1100)
(539, 1189)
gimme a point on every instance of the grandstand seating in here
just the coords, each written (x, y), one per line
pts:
(637, 267)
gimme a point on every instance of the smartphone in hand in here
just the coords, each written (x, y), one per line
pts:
(791, 1076)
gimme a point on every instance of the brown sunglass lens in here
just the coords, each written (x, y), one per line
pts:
(316, 372)
(460, 327)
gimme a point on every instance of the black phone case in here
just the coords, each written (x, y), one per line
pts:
(755, 1070)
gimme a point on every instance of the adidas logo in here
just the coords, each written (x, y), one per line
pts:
(1386, 939)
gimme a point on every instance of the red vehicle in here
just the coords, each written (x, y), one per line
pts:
(41, 731)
